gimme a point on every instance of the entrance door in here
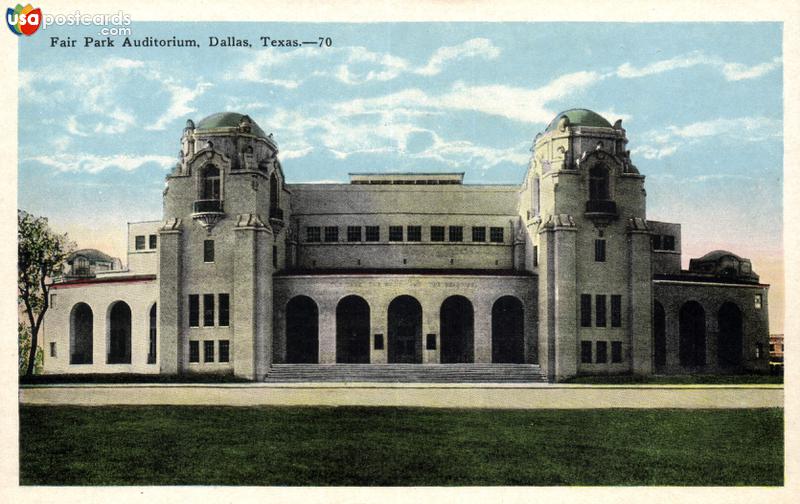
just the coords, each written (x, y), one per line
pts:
(405, 330)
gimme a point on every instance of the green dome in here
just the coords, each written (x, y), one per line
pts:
(580, 117)
(228, 120)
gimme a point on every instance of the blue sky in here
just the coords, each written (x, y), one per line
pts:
(702, 104)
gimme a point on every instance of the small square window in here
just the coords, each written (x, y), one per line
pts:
(496, 235)
(478, 234)
(208, 351)
(373, 233)
(456, 233)
(331, 234)
(313, 234)
(153, 241)
(208, 251)
(757, 300)
(194, 351)
(379, 342)
(354, 233)
(616, 351)
(602, 352)
(52, 349)
(395, 233)
(224, 350)
(586, 352)
(600, 250)
(140, 242)
(414, 233)
(430, 342)
(437, 233)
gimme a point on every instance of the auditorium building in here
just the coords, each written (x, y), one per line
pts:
(406, 273)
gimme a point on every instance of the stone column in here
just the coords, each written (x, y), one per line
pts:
(483, 329)
(377, 317)
(173, 344)
(327, 331)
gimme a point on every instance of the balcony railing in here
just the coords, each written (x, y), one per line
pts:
(208, 206)
(276, 213)
(602, 207)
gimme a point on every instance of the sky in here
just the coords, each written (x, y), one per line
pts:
(702, 104)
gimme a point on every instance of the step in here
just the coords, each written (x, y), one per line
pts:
(407, 373)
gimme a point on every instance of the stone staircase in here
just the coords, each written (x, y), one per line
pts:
(406, 373)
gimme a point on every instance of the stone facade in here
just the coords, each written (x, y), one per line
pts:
(563, 270)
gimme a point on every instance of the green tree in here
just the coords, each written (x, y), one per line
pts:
(41, 255)
(25, 348)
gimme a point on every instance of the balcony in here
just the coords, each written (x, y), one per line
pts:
(601, 210)
(208, 212)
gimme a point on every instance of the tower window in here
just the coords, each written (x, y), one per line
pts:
(313, 234)
(600, 250)
(535, 196)
(600, 310)
(331, 234)
(354, 233)
(535, 256)
(456, 233)
(208, 251)
(437, 233)
(395, 233)
(373, 233)
(275, 256)
(757, 301)
(211, 183)
(598, 183)
(478, 234)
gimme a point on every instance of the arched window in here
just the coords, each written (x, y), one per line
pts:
(273, 191)
(119, 334)
(210, 183)
(508, 331)
(692, 351)
(302, 331)
(598, 183)
(80, 334)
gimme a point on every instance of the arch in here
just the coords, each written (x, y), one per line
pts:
(302, 331)
(352, 330)
(508, 330)
(153, 330)
(598, 183)
(210, 183)
(119, 333)
(405, 330)
(456, 326)
(729, 339)
(659, 336)
(692, 335)
(274, 192)
(81, 334)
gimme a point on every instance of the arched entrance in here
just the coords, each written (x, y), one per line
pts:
(352, 330)
(405, 330)
(729, 341)
(302, 331)
(692, 335)
(457, 330)
(81, 322)
(508, 329)
(659, 336)
(119, 334)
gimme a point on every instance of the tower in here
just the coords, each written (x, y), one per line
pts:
(224, 213)
(587, 224)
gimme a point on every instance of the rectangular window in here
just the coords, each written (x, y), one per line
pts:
(602, 352)
(586, 352)
(478, 234)
(52, 300)
(194, 310)
(771, 347)
(140, 242)
(616, 310)
(414, 233)
(456, 233)
(52, 349)
(430, 342)
(153, 241)
(354, 233)
(757, 301)
(275, 256)
(656, 242)
(668, 242)
(437, 233)
(208, 351)
(379, 342)
(208, 251)
(373, 233)
(194, 351)
(395, 233)
(224, 310)
(600, 250)
(208, 310)
(535, 256)
(600, 310)
(224, 350)
(313, 234)
(496, 235)
(586, 310)
(331, 234)
(616, 351)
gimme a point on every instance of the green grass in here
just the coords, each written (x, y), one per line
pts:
(192, 445)
(129, 378)
(697, 379)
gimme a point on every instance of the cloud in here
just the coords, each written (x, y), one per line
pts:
(664, 142)
(90, 163)
(731, 71)
(477, 47)
(181, 97)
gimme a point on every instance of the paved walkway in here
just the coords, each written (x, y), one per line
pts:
(497, 396)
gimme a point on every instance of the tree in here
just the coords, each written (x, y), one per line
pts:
(41, 255)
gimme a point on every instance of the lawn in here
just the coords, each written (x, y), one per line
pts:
(696, 379)
(192, 445)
